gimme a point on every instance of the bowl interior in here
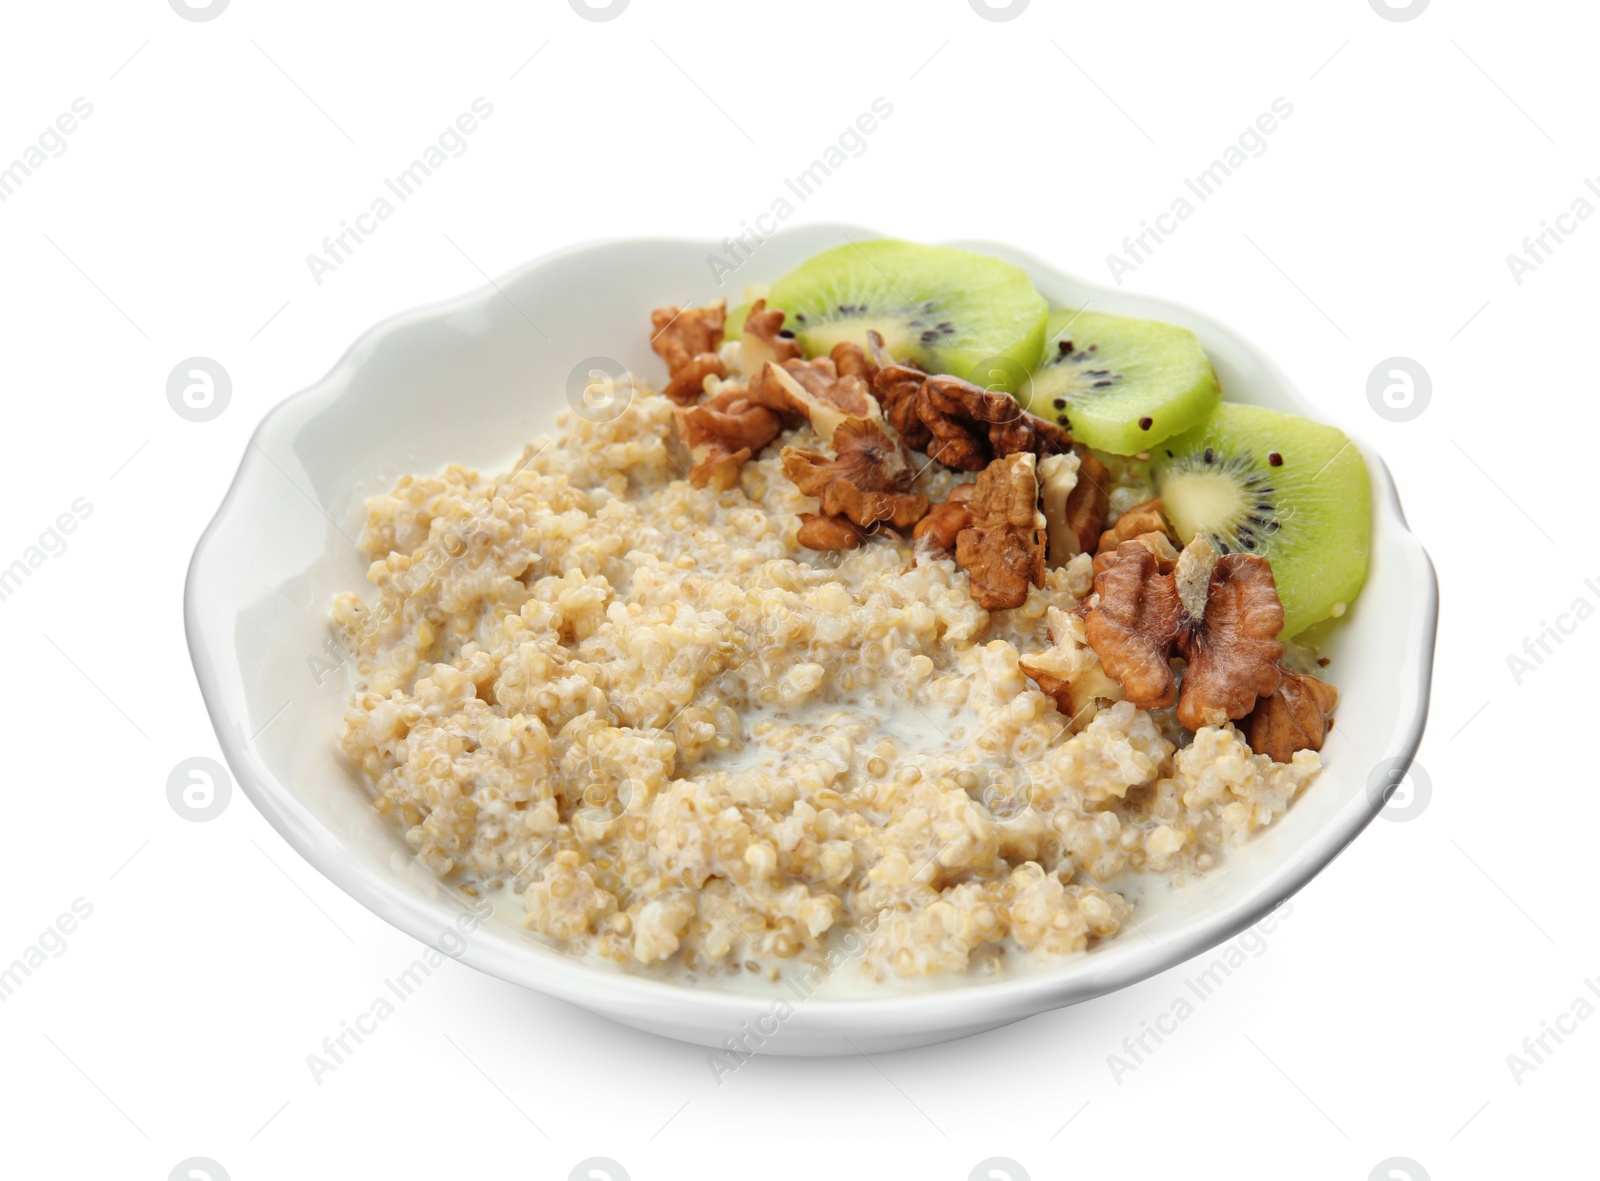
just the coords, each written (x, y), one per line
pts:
(471, 380)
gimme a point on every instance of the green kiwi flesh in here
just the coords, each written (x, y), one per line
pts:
(1120, 384)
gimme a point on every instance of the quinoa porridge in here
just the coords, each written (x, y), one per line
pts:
(618, 684)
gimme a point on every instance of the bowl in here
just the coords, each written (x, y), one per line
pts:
(469, 380)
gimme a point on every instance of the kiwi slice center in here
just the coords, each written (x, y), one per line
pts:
(1226, 499)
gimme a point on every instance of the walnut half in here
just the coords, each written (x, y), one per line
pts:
(1133, 625)
(867, 481)
(935, 535)
(721, 433)
(764, 339)
(687, 339)
(1069, 672)
(1232, 648)
(969, 426)
(1076, 499)
(815, 391)
(1002, 550)
(1295, 717)
(819, 531)
(1147, 517)
(1222, 614)
(894, 386)
(1091, 499)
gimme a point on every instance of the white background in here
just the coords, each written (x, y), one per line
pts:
(177, 223)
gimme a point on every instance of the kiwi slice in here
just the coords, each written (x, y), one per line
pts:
(1120, 384)
(1293, 491)
(949, 310)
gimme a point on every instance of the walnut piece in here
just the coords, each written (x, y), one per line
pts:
(721, 433)
(1293, 718)
(895, 385)
(1075, 500)
(971, 426)
(689, 382)
(1221, 614)
(1002, 550)
(1232, 649)
(719, 470)
(682, 333)
(867, 480)
(852, 361)
(819, 531)
(1090, 500)
(1134, 624)
(814, 390)
(1146, 517)
(1058, 476)
(1069, 672)
(764, 339)
(1156, 543)
(935, 535)
(687, 339)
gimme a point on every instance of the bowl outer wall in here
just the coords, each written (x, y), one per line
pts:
(708, 1016)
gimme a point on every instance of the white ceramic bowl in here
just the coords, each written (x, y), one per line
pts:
(469, 380)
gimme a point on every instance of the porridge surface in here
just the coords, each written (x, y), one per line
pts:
(686, 741)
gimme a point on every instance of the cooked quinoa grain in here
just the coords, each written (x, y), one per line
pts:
(684, 740)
